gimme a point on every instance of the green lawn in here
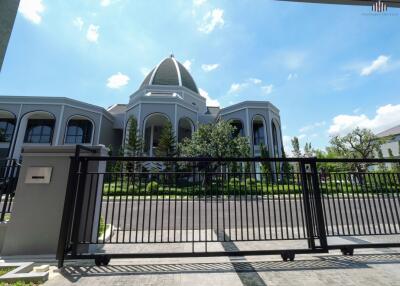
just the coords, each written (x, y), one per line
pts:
(4, 270)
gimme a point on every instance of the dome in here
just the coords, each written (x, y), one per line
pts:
(170, 72)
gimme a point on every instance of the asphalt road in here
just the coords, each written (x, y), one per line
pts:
(268, 218)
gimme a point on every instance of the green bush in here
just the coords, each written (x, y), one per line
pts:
(234, 181)
(152, 187)
(251, 182)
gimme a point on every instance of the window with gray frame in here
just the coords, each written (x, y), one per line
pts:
(39, 131)
(79, 132)
(6, 130)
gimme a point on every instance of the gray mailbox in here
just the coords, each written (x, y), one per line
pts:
(38, 175)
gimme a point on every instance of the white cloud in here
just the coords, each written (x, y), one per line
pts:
(144, 71)
(208, 68)
(209, 100)
(211, 20)
(292, 76)
(117, 80)
(378, 64)
(267, 89)
(187, 64)
(312, 126)
(78, 22)
(292, 59)
(92, 34)
(31, 10)
(199, 2)
(255, 80)
(105, 3)
(237, 87)
(386, 116)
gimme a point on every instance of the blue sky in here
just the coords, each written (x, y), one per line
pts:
(328, 68)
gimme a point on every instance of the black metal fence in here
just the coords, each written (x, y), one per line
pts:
(207, 200)
(9, 172)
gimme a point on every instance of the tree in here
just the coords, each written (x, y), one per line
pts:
(133, 144)
(296, 147)
(308, 150)
(358, 144)
(266, 168)
(215, 141)
(166, 146)
(382, 166)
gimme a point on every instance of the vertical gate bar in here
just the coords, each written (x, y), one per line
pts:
(228, 172)
(94, 210)
(307, 210)
(383, 202)
(223, 201)
(162, 207)
(344, 203)
(349, 204)
(365, 204)
(387, 186)
(91, 176)
(156, 211)
(252, 202)
(257, 203)
(79, 205)
(393, 200)
(262, 200)
(109, 176)
(287, 176)
(131, 177)
(318, 206)
(339, 208)
(373, 203)
(354, 204)
(68, 209)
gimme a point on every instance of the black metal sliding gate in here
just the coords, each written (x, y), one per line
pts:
(9, 172)
(180, 207)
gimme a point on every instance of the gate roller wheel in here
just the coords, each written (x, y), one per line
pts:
(102, 260)
(347, 251)
(288, 255)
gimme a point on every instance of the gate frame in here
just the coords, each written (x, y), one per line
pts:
(68, 240)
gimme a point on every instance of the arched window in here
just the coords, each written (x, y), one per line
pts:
(275, 139)
(239, 130)
(153, 127)
(258, 131)
(39, 131)
(7, 126)
(185, 128)
(79, 131)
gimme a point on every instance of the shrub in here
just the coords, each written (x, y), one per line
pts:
(251, 182)
(234, 181)
(152, 187)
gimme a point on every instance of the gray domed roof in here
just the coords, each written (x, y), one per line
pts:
(170, 72)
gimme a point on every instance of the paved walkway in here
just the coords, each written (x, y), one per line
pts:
(367, 267)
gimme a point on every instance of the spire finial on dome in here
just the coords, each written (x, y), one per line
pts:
(172, 55)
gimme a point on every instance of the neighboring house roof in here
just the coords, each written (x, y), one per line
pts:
(170, 72)
(389, 132)
(117, 108)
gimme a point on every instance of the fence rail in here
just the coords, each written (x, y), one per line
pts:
(9, 172)
(191, 200)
